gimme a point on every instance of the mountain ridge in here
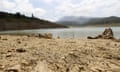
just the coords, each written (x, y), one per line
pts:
(90, 21)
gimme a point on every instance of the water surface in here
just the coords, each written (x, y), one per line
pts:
(70, 32)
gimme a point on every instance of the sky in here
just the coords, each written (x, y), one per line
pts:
(55, 9)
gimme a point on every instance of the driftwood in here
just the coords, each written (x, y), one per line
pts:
(107, 34)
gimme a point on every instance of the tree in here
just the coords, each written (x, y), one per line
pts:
(32, 15)
(18, 14)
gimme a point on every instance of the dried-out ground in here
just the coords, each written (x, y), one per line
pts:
(34, 54)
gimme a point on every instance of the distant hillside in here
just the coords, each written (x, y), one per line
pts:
(90, 21)
(72, 20)
(17, 21)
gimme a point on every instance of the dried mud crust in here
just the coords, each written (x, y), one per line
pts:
(33, 54)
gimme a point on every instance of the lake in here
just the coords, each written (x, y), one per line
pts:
(70, 32)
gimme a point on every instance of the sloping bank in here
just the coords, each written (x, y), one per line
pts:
(9, 21)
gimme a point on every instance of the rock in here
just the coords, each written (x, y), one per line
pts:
(9, 55)
(12, 70)
(9, 51)
(48, 35)
(90, 37)
(20, 50)
(58, 37)
(2, 67)
(34, 35)
(4, 39)
(19, 42)
(15, 68)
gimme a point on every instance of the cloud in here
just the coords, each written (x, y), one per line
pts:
(89, 8)
(53, 9)
(5, 4)
(48, 1)
(25, 7)
(22, 6)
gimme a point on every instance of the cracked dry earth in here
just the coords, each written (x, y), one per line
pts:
(33, 54)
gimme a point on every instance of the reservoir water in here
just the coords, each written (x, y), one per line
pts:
(70, 32)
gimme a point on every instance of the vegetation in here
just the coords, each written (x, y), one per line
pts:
(18, 21)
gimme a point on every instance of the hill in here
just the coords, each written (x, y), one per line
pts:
(17, 21)
(73, 21)
(90, 21)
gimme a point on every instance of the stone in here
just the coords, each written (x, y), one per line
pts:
(12, 70)
(20, 50)
(2, 67)
(48, 35)
(15, 68)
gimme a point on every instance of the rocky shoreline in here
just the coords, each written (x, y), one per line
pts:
(25, 53)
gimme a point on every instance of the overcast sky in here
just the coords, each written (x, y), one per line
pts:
(55, 9)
